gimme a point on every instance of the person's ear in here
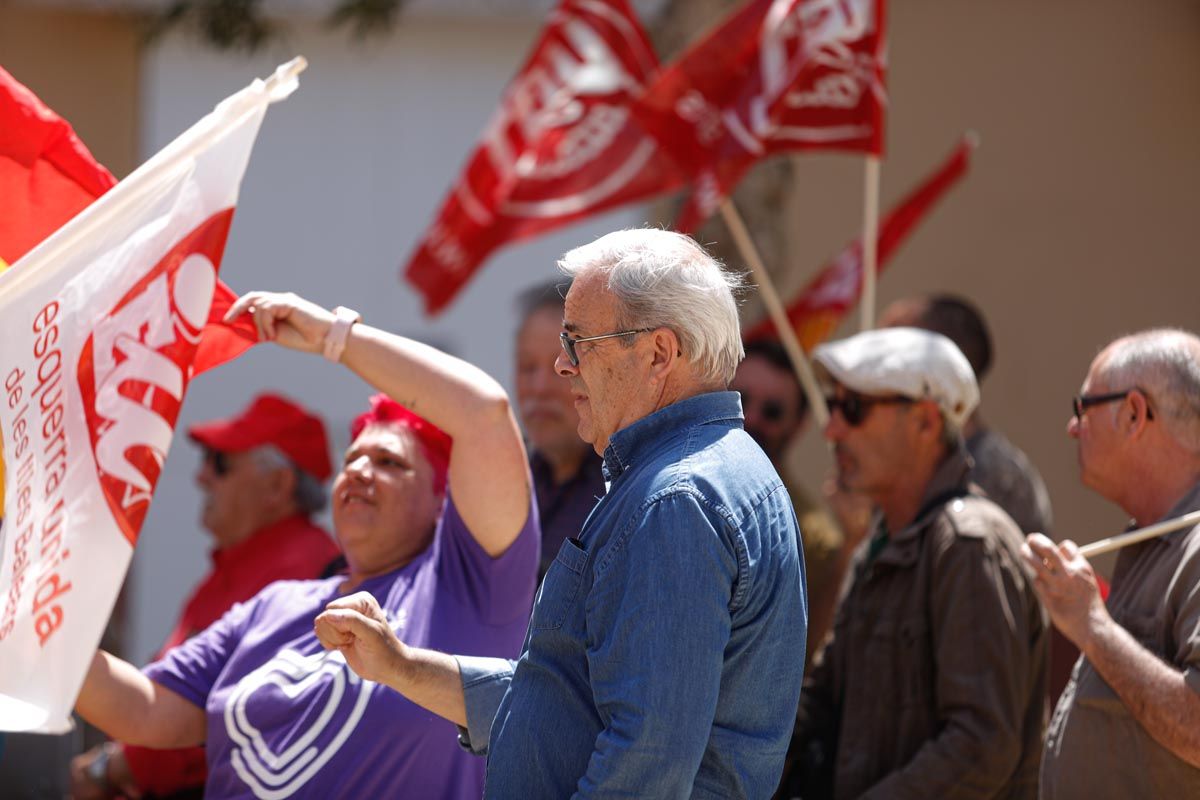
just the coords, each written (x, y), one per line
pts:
(1136, 413)
(665, 354)
(930, 420)
(282, 484)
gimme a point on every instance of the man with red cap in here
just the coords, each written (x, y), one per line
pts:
(262, 474)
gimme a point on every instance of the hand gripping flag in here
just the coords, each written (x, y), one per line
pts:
(47, 176)
(776, 76)
(99, 326)
(822, 304)
(562, 146)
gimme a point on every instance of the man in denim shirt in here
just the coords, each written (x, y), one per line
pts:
(664, 654)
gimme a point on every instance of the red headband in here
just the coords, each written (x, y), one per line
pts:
(435, 443)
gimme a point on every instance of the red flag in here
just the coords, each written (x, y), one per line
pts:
(824, 301)
(775, 76)
(47, 176)
(562, 146)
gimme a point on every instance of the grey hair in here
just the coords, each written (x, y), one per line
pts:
(1164, 363)
(663, 279)
(309, 493)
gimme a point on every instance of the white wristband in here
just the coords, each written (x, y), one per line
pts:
(339, 331)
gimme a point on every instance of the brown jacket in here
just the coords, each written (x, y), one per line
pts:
(933, 684)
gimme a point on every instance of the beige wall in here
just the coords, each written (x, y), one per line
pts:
(84, 66)
(1079, 218)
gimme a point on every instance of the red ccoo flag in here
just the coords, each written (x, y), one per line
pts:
(563, 145)
(776, 76)
(824, 301)
(47, 176)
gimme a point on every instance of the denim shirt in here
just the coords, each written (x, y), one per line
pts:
(666, 649)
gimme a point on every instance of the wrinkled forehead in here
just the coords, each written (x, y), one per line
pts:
(590, 305)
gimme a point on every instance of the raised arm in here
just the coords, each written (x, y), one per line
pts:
(131, 708)
(489, 472)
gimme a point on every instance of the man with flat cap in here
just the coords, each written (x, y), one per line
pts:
(263, 476)
(932, 684)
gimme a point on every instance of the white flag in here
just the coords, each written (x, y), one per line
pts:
(98, 328)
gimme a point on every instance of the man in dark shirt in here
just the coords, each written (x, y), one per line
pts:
(566, 470)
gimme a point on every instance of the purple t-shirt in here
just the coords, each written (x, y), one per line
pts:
(287, 718)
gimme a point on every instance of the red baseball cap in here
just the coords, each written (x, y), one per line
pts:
(274, 420)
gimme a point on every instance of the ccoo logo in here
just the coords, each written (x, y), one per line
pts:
(135, 365)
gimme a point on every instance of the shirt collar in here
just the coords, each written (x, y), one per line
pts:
(636, 440)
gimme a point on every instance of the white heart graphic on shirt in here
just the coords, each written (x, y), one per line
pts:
(272, 775)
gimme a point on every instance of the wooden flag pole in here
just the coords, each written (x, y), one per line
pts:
(808, 381)
(1140, 535)
(870, 240)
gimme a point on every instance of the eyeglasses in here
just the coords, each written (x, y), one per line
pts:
(1080, 403)
(569, 343)
(218, 462)
(855, 407)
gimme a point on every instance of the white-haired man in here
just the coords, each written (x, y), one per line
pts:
(662, 656)
(933, 682)
(1128, 724)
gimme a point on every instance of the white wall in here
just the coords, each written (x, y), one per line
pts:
(346, 175)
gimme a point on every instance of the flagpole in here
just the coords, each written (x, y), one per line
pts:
(870, 239)
(787, 335)
(1140, 535)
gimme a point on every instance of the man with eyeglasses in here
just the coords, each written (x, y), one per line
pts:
(776, 414)
(1128, 724)
(663, 654)
(262, 473)
(932, 684)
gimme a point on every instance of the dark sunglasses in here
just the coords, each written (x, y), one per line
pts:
(855, 408)
(218, 462)
(1080, 403)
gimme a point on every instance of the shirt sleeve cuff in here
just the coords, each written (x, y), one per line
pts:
(484, 682)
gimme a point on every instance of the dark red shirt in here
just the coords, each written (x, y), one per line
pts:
(291, 549)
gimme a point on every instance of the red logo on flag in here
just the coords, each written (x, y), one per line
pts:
(562, 146)
(776, 76)
(136, 363)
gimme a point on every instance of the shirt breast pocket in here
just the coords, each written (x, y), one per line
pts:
(560, 587)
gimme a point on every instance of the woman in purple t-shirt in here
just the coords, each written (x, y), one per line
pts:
(433, 513)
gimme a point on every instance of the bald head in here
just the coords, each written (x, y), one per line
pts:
(1165, 364)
